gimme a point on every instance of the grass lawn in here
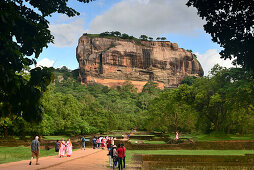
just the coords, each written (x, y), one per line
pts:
(130, 153)
(55, 137)
(13, 154)
(214, 137)
(144, 135)
(133, 141)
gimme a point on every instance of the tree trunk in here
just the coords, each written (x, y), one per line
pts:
(5, 132)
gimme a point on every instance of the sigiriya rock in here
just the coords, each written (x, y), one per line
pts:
(112, 61)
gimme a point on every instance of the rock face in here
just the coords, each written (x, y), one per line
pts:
(112, 61)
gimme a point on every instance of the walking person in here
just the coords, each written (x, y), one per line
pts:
(124, 155)
(120, 157)
(62, 148)
(114, 156)
(109, 143)
(177, 137)
(110, 155)
(103, 141)
(57, 147)
(83, 143)
(98, 142)
(35, 149)
(69, 148)
(94, 142)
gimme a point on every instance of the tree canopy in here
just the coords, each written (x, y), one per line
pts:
(230, 23)
(24, 32)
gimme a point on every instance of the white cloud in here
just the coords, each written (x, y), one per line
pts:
(150, 17)
(45, 62)
(67, 34)
(210, 58)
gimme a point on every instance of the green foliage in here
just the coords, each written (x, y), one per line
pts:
(24, 33)
(143, 37)
(171, 111)
(189, 80)
(219, 104)
(163, 38)
(230, 23)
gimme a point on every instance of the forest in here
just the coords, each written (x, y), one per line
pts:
(220, 102)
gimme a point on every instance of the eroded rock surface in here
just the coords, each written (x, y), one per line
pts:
(112, 61)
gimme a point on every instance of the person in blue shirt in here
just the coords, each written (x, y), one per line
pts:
(94, 142)
(83, 143)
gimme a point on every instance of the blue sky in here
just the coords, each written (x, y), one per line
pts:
(170, 18)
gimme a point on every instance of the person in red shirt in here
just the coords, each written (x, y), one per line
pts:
(120, 156)
(109, 143)
(124, 155)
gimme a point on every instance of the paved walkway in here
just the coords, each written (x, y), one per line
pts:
(86, 159)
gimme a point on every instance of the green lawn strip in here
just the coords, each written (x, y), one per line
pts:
(133, 141)
(213, 137)
(144, 135)
(55, 137)
(130, 153)
(13, 154)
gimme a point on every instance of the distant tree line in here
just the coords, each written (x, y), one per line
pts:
(126, 36)
(221, 102)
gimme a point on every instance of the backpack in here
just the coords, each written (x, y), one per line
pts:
(82, 139)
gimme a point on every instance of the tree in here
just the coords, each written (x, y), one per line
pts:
(25, 32)
(158, 38)
(151, 88)
(189, 80)
(143, 37)
(230, 23)
(125, 36)
(163, 38)
(171, 111)
(150, 38)
(116, 33)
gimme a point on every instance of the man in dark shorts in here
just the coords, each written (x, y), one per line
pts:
(57, 147)
(35, 148)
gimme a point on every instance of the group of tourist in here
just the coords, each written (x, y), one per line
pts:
(117, 156)
(62, 146)
(101, 142)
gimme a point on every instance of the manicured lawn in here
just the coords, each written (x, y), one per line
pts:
(55, 137)
(13, 154)
(130, 153)
(133, 141)
(144, 135)
(214, 137)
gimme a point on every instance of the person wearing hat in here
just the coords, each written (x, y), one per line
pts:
(114, 156)
(35, 149)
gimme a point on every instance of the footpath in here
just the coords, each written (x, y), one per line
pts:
(85, 159)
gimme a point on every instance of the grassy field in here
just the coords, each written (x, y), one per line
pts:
(13, 154)
(215, 136)
(55, 137)
(133, 141)
(130, 153)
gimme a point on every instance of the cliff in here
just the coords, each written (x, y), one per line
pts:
(112, 61)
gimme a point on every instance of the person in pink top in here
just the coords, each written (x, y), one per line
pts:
(69, 148)
(98, 142)
(62, 148)
(103, 141)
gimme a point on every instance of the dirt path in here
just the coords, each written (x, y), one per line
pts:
(88, 159)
